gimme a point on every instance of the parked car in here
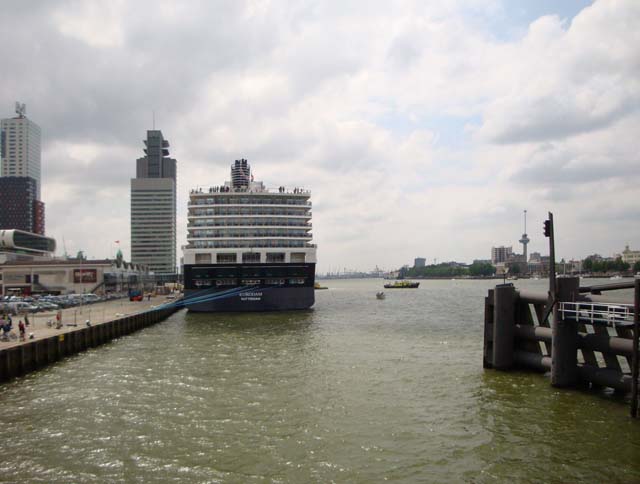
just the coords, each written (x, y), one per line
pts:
(19, 307)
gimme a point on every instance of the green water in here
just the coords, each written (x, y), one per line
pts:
(355, 390)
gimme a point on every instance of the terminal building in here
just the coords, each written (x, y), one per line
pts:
(27, 267)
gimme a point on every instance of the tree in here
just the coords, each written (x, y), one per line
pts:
(620, 265)
(587, 265)
(636, 267)
(481, 269)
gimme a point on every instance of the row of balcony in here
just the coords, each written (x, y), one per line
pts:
(231, 223)
(256, 234)
(239, 212)
(248, 201)
(254, 244)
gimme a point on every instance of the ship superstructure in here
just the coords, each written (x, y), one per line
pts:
(249, 247)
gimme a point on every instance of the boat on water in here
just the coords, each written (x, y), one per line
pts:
(249, 247)
(318, 287)
(402, 285)
(380, 295)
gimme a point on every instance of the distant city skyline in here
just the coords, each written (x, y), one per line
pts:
(425, 138)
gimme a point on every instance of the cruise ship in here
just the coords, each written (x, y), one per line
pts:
(249, 247)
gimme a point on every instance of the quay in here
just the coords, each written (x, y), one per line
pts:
(44, 344)
(576, 334)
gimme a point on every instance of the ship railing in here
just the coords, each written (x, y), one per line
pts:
(215, 203)
(222, 190)
(253, 245)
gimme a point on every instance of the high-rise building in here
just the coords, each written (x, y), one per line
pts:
(20, 147)
(19, 207)
(419, 262)
(500, 254)
(153, 207)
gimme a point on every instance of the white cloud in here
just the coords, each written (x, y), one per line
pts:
(420, 130)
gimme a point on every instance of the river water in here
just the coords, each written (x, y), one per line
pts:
(355, 390)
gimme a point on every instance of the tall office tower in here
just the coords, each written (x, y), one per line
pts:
(20, 147)
(500, 254)
(153, 207)
(19, 207)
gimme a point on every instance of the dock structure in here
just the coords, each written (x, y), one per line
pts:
(50, 344)
(578, 335)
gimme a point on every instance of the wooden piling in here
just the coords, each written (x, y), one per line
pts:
(487, 354)
(503, 326)
(635, 363)
(564, 341)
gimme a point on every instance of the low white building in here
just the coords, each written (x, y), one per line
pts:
(630, 256)
(71, 276)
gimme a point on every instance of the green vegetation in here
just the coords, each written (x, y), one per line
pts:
(593, 265)
(448, 270)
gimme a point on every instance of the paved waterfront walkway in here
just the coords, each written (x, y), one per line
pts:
(97, 313)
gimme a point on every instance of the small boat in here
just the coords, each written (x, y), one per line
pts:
(317, 286)
(380, 295)
(402, 285)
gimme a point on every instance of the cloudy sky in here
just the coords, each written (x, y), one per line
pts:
(422, 128)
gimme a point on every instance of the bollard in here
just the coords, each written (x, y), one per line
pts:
(504, 298)
(564, 336)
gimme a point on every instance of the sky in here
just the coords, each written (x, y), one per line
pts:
(422, 128)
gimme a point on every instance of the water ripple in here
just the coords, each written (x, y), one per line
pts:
(356, 390)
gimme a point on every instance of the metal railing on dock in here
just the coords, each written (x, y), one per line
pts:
(613, 315)
(587, 340)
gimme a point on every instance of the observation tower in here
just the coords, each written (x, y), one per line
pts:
(524, 241)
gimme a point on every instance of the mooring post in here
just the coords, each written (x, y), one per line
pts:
(564, 336)
(635, 363)
(504, 310)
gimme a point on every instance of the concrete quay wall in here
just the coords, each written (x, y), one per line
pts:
(31, 355)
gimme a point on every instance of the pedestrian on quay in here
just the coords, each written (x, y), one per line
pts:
(6, 328)
(26, 320)
(21, 327)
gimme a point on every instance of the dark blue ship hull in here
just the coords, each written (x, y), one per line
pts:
(249, 287)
